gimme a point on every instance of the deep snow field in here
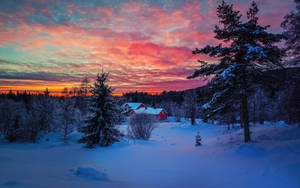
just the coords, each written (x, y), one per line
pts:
(168, 159)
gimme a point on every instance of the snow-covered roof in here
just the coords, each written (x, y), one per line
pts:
(149, 110)
(133, 105)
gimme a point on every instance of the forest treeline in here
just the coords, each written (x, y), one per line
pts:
(275, 99)
(26, 117)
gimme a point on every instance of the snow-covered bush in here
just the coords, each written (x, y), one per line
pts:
(141, 126)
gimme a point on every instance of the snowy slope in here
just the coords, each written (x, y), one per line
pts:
(168, 159)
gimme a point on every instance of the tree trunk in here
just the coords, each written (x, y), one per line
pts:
(193, 117)
(245, 118)
(254, 113)
(244, 108)
(241, 116)
(66, 132)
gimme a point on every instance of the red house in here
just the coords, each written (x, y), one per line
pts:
(160, 113)
(130, 107)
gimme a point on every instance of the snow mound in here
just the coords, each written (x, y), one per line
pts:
(261, 134)
(91, 174)
(278, 133)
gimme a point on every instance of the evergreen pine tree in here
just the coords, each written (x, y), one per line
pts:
(12, 133)
(291, 26)
(45, 108)
(251, 50)
(190, 105)
(68, 114)
(46, 92)
(10, 95)
(100, 129)
(198, 139)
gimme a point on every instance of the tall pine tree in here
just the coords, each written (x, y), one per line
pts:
(100, 129)
(250, 51)
(291, 26)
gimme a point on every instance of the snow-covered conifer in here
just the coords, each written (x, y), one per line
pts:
(190, 105)
(198, 139)
(291, 26)
(251, 50)
(100, 129)
(68, 114)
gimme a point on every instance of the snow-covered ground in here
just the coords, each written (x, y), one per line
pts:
(169, 159)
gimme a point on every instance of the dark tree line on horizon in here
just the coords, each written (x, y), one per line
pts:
(30, 117)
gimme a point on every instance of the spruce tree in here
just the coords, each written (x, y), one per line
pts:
(291, 26)
(46, 92)
(100, 129)
(12, 133)
(198, 139)
(251, 49)
(68, 114)
(44, 106)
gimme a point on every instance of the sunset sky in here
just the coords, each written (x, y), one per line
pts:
(145, 45)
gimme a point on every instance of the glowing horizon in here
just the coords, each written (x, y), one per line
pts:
(144, 45)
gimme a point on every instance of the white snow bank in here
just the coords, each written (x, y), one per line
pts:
(261, 134)
(90, 174)
(168, 159)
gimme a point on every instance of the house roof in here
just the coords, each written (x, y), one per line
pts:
(133, 105)
(149, 110)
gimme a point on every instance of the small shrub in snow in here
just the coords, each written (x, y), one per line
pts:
(141, 126)
(198, 139)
